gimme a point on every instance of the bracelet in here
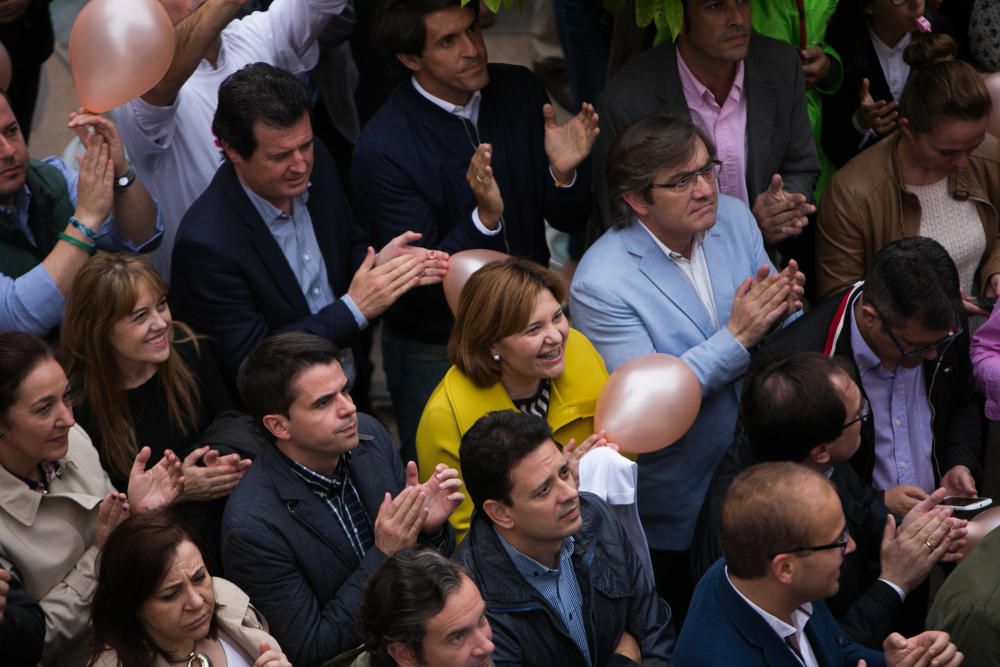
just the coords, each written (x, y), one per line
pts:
(90, 249)
(125, 181)
(86, 231)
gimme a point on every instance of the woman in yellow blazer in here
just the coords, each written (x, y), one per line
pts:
(511, 348)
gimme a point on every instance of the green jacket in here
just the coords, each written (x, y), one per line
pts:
(48, 212)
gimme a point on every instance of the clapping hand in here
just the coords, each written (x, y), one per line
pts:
(216, 477)
(435, 262)
(568, 145)
(442, 495)
(157, 487)
(779, 213)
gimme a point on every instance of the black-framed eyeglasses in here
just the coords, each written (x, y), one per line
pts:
(683, 182)
(845, 539)
(939, 346)
(863, 414)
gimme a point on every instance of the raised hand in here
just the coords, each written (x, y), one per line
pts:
(442, 496)
(374, 288)
(112, 511)
(880, 116)
(400, 519)
(568, 145)
(909, 553)
(815, 66)
(87, 124)
(216, 477)
(574, 452)
(95, 191)
(759, 303)
(157, 487)
(484, 186)
(435, 262)
(270, 657)
(781, 214)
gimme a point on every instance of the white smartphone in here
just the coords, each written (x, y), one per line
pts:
(963, 504)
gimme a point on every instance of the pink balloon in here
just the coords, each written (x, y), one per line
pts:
(648, 403)
(461, 266)
(6, 69)
(118, 50)
(992, 82)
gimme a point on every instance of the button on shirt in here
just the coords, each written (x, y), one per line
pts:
(296, 237)
(894, 68)
(559, 587)
(726, 125)
(902, 419)
(800, 617)
(694, 269)
(341, 497)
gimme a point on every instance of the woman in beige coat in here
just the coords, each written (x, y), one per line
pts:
(156, 605)
(57, 506)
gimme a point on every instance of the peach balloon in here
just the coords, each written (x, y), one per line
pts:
(461, 266)
(6, 69)
(992, 82)
(648, 403)
(118, 50)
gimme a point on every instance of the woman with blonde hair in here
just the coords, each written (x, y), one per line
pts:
(139, 379)
(511, 348)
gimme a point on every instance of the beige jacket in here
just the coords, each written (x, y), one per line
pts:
(865, 208)
(46, 540)
(237, 619)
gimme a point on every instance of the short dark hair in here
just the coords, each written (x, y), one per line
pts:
(791, 406)
(406, 591)
(643, 149)
(131, 566)
(767, 511)
(266, 376)
(398, 26)
(20, 352)
(914, 277)
(493, 447)
(258, 92)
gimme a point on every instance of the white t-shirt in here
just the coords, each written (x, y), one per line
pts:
(173, 148)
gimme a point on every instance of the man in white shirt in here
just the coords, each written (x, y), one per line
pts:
(784, 538)
(168, 131)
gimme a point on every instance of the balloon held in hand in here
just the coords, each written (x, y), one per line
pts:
(461, 266)
(648, 403)
(118, 50)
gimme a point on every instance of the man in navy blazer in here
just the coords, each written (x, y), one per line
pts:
(271, 244)
(784, 538)
(684, 272)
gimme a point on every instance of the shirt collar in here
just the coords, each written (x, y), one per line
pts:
(800, 617)
(47, 471)
(672, 254)
(469, 111)
(319, 481)
(735, 92)
(886, 50)
(268, 211)
(864, 356)
(528, 566)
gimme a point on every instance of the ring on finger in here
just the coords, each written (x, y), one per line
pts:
(929, 545)
(480, 178)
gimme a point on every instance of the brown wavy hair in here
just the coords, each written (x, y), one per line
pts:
(105, 291)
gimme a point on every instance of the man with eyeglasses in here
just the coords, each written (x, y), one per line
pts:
(684, 272)
(807, 409)
(902, 330)
(784, 538)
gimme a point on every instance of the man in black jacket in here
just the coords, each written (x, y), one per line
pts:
(562, 583)
(904, 334)
(807, 409)
(313, 518)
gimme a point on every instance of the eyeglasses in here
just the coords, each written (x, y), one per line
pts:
(863, 414)
(683, 182)
(956, 330)
(845, 539)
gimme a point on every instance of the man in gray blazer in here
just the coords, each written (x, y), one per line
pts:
(745, 92)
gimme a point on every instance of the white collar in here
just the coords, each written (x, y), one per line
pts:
(470, 111)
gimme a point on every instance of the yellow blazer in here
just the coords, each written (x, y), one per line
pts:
(457, 403)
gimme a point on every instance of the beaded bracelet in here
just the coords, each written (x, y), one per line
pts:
(86, 231)
(90, 249)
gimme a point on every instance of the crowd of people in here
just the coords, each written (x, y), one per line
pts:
(798, 200)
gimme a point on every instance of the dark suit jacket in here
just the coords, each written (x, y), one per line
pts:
(866, 608)
(283, 546)
(779, 138)
(231, 281)
(721, 630)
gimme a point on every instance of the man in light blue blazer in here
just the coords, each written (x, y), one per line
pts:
(683, 272)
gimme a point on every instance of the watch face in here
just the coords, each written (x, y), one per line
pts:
(122, 182)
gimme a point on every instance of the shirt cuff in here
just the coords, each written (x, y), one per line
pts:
(481, 227)
(866, 134)
(555, 180)
(899, 591)
(359, 317)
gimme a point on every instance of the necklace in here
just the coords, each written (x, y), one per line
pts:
(193, 659)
